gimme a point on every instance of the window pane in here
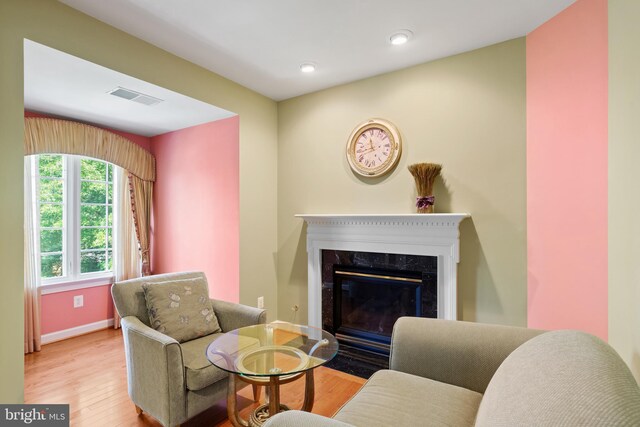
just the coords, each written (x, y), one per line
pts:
(110, 260)
(93, 192)
(110, 173)
(110, 193)
(93, 261)
(50, 240)
(92, 238)
(50, 215)
(93, 215)
(51, 266)
(94, 170)
(110, 216)
(110, 237)
(51, 190)
(50, 165)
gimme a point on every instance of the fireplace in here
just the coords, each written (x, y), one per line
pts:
(363, 294)
(400, 246)
(430, 235)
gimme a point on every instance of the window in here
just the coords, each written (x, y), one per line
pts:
(75, 204)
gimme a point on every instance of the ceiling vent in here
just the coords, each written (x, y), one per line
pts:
(134, 96)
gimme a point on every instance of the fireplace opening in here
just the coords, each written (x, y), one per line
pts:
(367, 302)
(363, 294)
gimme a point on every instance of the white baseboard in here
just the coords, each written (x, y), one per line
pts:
(78, 330)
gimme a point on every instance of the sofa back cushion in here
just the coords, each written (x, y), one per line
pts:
(128, 295)
(561, 378)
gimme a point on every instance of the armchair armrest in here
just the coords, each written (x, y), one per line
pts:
(301, 418)
(155, 371)
(233, 316)
(460, 353)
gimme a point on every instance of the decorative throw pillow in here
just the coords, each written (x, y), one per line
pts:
(181, 308)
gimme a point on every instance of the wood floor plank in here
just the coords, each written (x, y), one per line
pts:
(89, 373)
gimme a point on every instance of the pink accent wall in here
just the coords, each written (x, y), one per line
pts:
(196, 204)
(567, 94)
(57, 312)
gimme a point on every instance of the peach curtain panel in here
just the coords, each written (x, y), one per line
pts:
(141, 196)
(126, 252)
(32, 337)
(45, 135)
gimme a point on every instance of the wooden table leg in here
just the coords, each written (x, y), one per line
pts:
(309, 391)
(256, 392)
(232, 403)
(274, 395)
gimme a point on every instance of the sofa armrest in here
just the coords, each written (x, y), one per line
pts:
(155, 372)
(464, 354)
(301, 418)
(233, 316)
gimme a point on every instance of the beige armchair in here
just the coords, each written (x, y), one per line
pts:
(172, 381)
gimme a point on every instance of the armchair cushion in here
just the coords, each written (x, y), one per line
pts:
(199, 372)
(395, 398)
(181, 309)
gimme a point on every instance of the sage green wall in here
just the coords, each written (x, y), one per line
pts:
(624, 182)
(466, 112)
(56, 25)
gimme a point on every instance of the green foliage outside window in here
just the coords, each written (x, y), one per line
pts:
(51, 195)
(95, 216)
(95, 226)
(50, 165)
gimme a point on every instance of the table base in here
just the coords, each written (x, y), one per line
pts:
(261, 414)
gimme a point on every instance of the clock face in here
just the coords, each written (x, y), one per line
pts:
(373, 148)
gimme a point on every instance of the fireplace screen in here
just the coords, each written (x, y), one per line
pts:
(364, 294)
(367, 302)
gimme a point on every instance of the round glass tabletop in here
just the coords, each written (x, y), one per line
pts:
(272, 349)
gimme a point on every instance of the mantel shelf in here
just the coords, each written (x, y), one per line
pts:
(435, 219)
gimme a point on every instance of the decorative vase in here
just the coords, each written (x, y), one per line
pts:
(425, 175)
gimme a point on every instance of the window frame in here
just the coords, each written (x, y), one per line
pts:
(72, 277)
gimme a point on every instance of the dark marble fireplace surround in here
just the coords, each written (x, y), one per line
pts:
(402, 285)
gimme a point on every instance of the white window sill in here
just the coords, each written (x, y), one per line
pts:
(54, 288)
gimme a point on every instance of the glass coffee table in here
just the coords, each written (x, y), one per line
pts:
(270, 355)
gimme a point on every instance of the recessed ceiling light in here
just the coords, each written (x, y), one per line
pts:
(400, 37)
(307, 67)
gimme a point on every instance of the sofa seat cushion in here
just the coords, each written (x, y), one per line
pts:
(199, 372)
(393, 398)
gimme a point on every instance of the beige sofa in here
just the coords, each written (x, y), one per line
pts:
(169, 380)
(447, 373)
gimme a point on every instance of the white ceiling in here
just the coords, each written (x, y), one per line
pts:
(261, 43)
(63, 85)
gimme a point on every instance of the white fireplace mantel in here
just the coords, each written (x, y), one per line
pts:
(409, 234)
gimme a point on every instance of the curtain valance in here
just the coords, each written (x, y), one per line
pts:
(45, 135)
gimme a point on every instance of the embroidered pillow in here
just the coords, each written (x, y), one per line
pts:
(181, 309)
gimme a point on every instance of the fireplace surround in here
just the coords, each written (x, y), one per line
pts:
(430, 235)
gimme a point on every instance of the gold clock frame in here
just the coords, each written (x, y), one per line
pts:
(396, 147)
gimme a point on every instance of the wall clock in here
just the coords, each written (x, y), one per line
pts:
(374, 148)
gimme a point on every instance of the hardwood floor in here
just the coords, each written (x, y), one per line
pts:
(89, 373)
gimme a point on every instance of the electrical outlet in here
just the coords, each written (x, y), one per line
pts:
(260, 302)
(78, 301)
